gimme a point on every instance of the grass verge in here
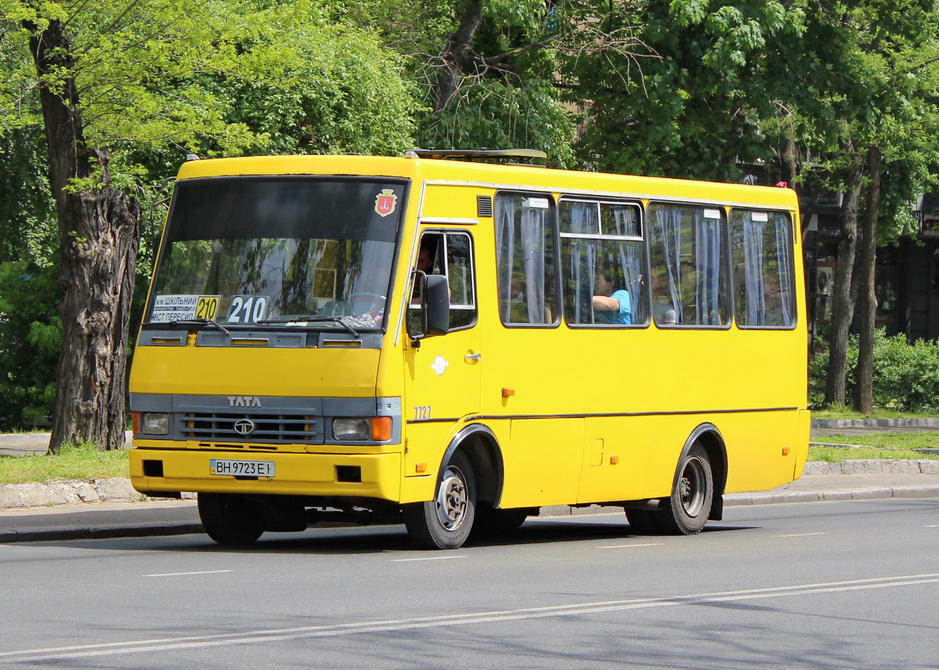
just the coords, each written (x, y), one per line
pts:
(872, 445)
(81, 462)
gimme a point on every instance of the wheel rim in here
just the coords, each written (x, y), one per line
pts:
(692, 487)
(451, 500)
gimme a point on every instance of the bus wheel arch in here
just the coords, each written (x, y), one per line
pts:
(709, 437)
(698, 484)
(470, 471)
(697, 488)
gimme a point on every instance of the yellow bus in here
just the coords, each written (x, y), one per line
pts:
(455, 343)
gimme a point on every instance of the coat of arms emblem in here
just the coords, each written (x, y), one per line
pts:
(385, 202)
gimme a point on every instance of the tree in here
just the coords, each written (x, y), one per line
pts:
(487, 71)
(691, 98)
(886, 42)
(120, 84)
(867, 300)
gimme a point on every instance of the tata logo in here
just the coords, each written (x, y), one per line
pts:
(244, 426)
(244, 401)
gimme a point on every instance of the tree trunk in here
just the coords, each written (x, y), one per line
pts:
(789, 161)
(867, 301)
(842, 307)
(457, 53)
(99, 233)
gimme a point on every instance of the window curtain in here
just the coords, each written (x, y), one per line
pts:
(533, 232)
(630, 257)
(583, 259)
(520, 240)
(666, 233)
(707, 251)
(505, 243)
(754, 290)
(784, 259)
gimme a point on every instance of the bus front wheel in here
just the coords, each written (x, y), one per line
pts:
(231, 520)
(446, 521)
(686, 511)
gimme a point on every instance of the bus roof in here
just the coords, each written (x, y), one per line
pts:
(415, 167)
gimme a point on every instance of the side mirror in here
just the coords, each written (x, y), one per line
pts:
(435, 307)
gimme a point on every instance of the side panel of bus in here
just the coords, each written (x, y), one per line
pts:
(584, 415)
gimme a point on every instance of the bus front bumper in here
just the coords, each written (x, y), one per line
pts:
(172, 471)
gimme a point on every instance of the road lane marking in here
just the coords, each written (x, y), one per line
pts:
(186, 574)
(631, 546)
(67, 653)
(932, 525)
(801, 535)
(425, 558)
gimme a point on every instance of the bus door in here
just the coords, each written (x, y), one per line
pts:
(442, 374)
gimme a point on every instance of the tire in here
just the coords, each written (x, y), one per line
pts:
(446, 521)
(491, 522)
(686, 511)
(231, 520)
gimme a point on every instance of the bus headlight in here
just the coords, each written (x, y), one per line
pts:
(375, 429)
(154, 423)
(351, 429)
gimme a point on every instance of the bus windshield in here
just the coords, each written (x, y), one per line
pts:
(293, 251)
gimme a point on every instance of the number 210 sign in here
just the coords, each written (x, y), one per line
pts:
(247, 309)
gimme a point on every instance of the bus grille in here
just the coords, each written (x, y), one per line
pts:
(265, 428)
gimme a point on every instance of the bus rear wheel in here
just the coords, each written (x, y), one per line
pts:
(686, 510)
(446, 521)
(231, 520)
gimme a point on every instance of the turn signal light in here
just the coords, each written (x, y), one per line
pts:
(381, 428)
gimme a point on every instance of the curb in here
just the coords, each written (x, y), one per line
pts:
(831, 424)
(102, 533)
(877, 493)
(873, 466)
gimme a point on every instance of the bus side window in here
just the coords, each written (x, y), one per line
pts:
(449, 254)
(602, 257)
(459, 259)
(526, 259)
(689, 269)
(764, 290)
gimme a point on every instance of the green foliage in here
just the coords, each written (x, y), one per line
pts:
(496, 115)
(690, 99)
(30, 333)
(906, 376)
(27, 212)
(507, 94)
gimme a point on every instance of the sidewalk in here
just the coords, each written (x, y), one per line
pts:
(110, 508)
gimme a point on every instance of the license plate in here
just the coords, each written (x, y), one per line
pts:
(233, 468)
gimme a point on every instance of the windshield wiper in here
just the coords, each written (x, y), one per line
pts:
(314, 319)
(199, 322)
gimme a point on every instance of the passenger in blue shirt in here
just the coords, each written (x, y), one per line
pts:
(611, 306)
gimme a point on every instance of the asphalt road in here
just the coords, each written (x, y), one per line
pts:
(823, 585)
